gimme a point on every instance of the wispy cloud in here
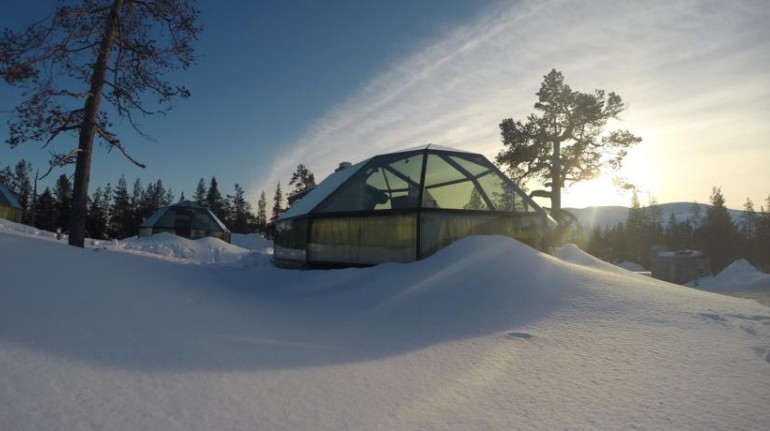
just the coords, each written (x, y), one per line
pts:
(681, 66)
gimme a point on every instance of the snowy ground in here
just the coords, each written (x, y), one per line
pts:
(486, 334)
(738, 279)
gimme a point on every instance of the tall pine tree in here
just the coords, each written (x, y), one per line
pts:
(241, 217)
(718, 235)
(261, 220)
(199, 197)
(215, 201)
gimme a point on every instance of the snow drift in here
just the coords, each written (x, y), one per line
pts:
(739, 275)
(486, 334)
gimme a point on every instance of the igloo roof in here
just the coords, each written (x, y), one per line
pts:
(199, 217)
(428, 176)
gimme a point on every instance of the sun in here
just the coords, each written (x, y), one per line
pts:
(601, 191)
(637, 170)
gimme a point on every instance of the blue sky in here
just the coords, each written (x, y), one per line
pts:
(286, 82)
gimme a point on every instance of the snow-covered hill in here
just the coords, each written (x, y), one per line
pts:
(605, 216)
(486, 334)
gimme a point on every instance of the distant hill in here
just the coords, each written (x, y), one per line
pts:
(611, 215)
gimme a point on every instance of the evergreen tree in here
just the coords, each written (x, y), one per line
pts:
(718, 235)
(152, 198)
(762, 235)
(241, 216)
(6, 176)
(261, 220)
(63, 194)
(22, 187)
(696, 214)
(137, 210)
(96, 223)
(302, 179)
(121, 212)
(88, 61)
(199, 197)
(215, 201)
(474, 201)
(638, 241)
(45, 207)
(749, 228)
(277, 204)
(181, 197)
(168, 197)
(566, 142)
(678, 234)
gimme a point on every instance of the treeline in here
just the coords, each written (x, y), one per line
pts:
(117, 212)
(712, 231)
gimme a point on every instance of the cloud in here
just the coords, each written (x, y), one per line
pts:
(676, 64)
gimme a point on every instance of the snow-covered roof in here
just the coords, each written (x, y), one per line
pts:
(322, 190)
(7, 198)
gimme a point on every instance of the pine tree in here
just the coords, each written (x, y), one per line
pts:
(749, 228)
(96, 223)
(86, 62)
(168, 198)
(63, 195)
(261, 220)
(45, 207)
(637, 230)
(241, 216)
(199, 197)
(215, 201)
(565, 142)
(137, 213)
(718, 235)
(302, 179)
(6, 176)
(121, 217)
(696, 214)
(22, 187)
(763, 237)
(277, 204)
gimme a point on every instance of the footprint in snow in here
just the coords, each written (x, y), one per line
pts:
(519, 335)
(713, 316)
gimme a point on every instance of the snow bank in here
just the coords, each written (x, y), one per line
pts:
(485, 334)
(204, 250)
(739, 275)
(573, 254)
(252, 241)
(631, 266)
(12, 228)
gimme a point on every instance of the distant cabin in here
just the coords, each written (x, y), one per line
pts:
(402, 207)
(10, 208)
(679, 266)
(186, 219)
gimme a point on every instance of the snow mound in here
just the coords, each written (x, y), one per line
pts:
(252, 241)
(631, 266)
(573, 254)
(739, 275)
(206, 250)
(7, 226)
(487, 333)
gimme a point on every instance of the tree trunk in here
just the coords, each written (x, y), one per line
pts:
(88, 130)
(556, 181)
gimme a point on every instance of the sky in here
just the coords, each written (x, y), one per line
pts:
(286, 82)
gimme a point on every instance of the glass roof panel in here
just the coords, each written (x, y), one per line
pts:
(386, 182)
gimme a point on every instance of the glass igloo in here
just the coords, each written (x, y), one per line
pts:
(402, 207)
